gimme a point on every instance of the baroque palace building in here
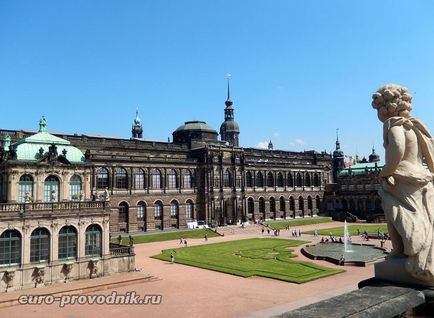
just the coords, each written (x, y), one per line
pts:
(355, 191)
(62, 195)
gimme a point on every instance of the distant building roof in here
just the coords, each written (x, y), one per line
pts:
(360, 168)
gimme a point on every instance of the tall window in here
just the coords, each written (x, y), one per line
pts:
(316, 180)
(67, 242)
(282, 204)
(51, 189)
(317, 202)
(291, 204)
(309, 203)
(261, 205)
(171, 179)
(141, 211)
(123, 212)
(139, 178)
(93, 242)
(121, 178)
(290, 180)
(249, 179)
(102, 178)
(301, 203)
(189, 210)
(280, 182)
(40, 245)
(25, 188)
(250, 205)
(227, 179)
(307, 182)
(187, 180)
(10, 248)
(259, 180)
(272, 205)
(174, 209)
(74, 187)
(155, 179)
(299, 180)
(158, 210)
(270, 180)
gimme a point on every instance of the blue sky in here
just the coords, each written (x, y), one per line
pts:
(300, 69)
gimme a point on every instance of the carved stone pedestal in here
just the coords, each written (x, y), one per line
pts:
(393, 270)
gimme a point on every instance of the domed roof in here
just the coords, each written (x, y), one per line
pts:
(230, 126)
(196, 125)
(29, 148)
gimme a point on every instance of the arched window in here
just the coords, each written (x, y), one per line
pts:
(282, 204)
(25, 188)
(249, 179)
(270, 179)
(187, 180)
(307, 182)
(141, 211)
(290, 180)
(309, 203)
(316, 180)
(174, 209)
(300, 203)
(261, 205)
(67, 242)
(299, 180)
(250, 205)
(121, 178)
(123, 212)
(74, 187)
(10, 248)
(139, 179)
(158, 210)
(102, 178)
(155, 179)
(171, 179)
(291, 204)
(272, 205)
(93, 240)
(51, 189)
(189, 210)
(259, 180)
(318, 202)
(40, 245)
(227, 179)
(280, 180)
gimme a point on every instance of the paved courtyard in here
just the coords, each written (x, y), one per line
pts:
(193, 292)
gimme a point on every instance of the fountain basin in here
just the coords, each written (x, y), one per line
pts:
(360, 255)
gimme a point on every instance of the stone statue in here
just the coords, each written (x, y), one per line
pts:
(407, 190)
(106, 195)
(53, 196)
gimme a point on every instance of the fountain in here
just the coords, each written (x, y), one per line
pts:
(349, 254)
(347, 239)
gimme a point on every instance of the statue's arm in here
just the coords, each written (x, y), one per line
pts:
(395, 150)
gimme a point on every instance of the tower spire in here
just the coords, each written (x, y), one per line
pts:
(228, 101)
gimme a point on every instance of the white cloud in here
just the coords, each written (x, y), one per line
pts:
(299, 141)
(276, 134)
(262, 145)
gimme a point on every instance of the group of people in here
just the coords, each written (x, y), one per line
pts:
(183, 242)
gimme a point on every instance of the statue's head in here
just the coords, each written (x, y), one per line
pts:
(392, 100)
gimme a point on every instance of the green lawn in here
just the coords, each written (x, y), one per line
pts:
(167, 236)
(352, 229)
(267, 257)
(298, 222)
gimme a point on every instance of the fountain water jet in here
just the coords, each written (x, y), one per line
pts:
(347, 239)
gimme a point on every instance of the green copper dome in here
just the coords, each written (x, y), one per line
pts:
(29, 149)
